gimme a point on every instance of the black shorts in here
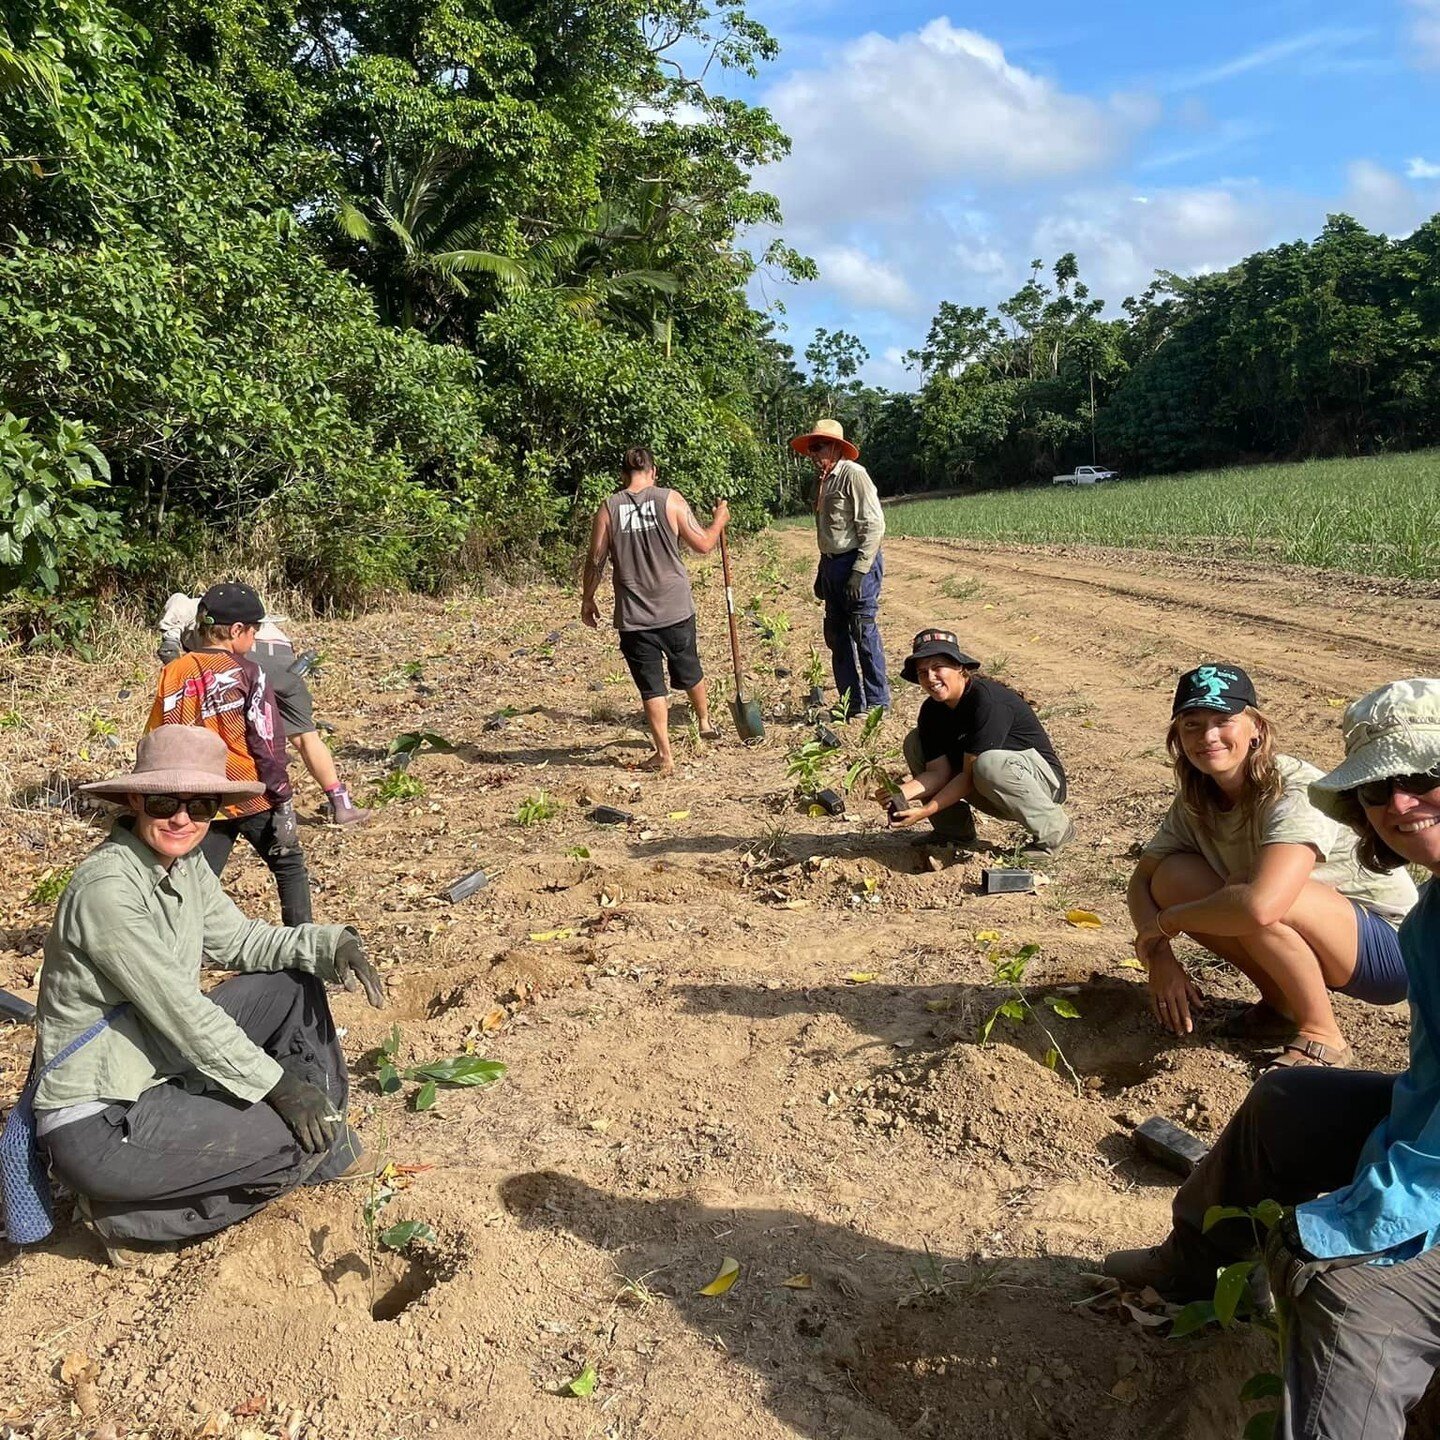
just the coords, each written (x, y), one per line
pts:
(649, 652)
(292, 694)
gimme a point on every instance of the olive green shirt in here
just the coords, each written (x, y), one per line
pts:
(129, 928)
(848, 514)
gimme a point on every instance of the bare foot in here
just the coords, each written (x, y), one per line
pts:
(657, 765)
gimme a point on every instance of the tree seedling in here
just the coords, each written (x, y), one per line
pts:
(1010, 973)
(806, 766)
(397, 785)
(417, 742)
(537, 808)
(454, 1070)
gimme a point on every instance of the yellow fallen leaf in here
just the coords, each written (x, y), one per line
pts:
(987, 607)
(1334, 704)
(797, 1282)
(540, 937)
(987, 935)
(870, 884)
(729, 1273)
(797, 904)
(679, 815)
(861, 977)
(1131, 963)
(492, 1020)
(816, 811)
(1083, 919)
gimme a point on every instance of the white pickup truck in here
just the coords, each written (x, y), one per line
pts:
(1086, 475)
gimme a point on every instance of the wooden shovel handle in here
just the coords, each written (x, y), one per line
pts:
(730, 613)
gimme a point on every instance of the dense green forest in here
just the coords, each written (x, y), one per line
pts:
(365, 293)
(1325, 348)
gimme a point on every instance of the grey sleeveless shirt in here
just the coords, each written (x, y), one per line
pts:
(652, 589)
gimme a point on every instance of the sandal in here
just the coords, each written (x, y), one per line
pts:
(1307, 1054)
(1260, 1021)
(711, 734)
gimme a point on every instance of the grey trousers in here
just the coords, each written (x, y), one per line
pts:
(1363, 1341)
(174, 1165)
(1014, 785)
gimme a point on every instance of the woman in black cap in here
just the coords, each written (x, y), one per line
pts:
(1245, 866)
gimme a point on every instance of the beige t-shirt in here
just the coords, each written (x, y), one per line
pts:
(1231, 847)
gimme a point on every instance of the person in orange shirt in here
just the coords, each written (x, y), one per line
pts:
(217, 686)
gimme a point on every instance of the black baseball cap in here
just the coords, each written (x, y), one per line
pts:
(936, 642)
(1226, 688)
(229, 603)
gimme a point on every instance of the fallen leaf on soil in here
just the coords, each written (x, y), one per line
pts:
(729, 1273)
(77, 1371)
(861, 977)
(541, 937)
(598, 1126)
(678, 815)
(253, 1406)
(1125, 1390)
(212, 1427)
(793, 905)
(492, 1020)
(1334, 704)
(797, 1282)
(939, 1007)
(816, 811)
(583, 1384)
(1083, 919)
(1131, 963)
(987, 935)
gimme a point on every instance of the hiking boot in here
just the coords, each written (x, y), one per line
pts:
(344, 811)
(1036, 846)
(153, 1256)
(1154, 1267)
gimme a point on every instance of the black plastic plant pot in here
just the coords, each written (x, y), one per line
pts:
(465, 886)
(816, 698)
(1007, 881)
(609, 815)
(831, 801)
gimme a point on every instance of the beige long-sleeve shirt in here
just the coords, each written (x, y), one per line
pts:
(130, 928)
(848, 515)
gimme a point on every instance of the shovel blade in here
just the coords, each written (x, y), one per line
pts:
(748, 724)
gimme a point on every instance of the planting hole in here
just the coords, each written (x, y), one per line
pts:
(400, 1282)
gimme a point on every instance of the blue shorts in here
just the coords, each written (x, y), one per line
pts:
(1379, 977)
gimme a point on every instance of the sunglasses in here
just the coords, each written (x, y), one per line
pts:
(198, 807)
(1378, 792)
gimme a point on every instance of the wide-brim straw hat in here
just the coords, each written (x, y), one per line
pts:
(1394, 730)
(825, 430)
(177, 760)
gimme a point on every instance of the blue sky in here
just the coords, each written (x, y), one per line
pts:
(938, 149)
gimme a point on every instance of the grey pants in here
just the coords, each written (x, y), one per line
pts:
(174, 1165)
(1014, 785)
(1363, 1340)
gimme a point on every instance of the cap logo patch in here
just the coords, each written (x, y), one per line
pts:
(1214, 682)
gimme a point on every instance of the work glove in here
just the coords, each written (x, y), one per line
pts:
(355, 972)
(817, 588)
(854, 587)
(169, 650)
(307, 1110)
(287, 829)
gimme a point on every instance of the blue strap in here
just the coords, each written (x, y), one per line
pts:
(74, 1045)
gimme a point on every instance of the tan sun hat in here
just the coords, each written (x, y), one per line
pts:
(825, 430)
(1394, 730)
(176, 760)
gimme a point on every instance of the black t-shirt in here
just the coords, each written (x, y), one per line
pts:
(990, 716)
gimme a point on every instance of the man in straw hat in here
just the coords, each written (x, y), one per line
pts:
(188, 1110)
(849, 527)
(1356, 1261)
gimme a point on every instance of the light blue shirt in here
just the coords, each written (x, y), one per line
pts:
(1393, 1203)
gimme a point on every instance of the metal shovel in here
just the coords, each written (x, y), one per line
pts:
(746, 713)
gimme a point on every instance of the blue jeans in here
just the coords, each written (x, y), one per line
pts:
(867, 682)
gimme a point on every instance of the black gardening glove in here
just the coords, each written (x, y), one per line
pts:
(355, 972)
(854, 587)
(307, 1110)
(169, 650)
(287, 829)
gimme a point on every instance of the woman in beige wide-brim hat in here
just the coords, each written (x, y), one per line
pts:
(156, 1121)
(1358, 1268)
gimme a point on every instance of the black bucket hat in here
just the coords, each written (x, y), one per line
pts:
(929, 643)
(1226, 688)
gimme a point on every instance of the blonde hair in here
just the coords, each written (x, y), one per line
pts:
(1203, 799)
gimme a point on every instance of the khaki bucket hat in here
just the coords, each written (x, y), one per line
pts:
(1394, 730)
(825, 430)
(176, 760)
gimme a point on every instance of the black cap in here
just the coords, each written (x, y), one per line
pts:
(936, 642)
(1225, 688)
(230, 603)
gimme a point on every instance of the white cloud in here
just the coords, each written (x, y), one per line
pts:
(1321, 44)
(1419, 169)
(888, 119)
(863, 281)
(1425, 30)
(1382, 200)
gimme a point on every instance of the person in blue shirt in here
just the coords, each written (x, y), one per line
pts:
(1356, 1153)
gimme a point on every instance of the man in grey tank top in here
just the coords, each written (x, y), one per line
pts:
(640, 530)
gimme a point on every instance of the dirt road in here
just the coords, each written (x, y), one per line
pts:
(733, 1030)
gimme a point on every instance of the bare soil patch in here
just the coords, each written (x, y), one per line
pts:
(694, 1071)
